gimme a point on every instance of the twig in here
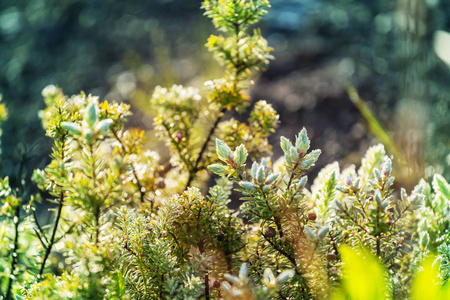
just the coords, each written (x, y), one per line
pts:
(50, 245)
(196, 168)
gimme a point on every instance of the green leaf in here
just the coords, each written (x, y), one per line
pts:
(260, 175)
(241, 154)
(302, 141)
(294, 154)
(254, 169)
(441, 186)
(285, 146)
(90, 115)
(218, 169)
(272, 177)
(247, 185)
(310, 159)
(310, 233)
(243, 271)
(323, 232)
(426, 283)
(377, 196)
(285, 276)
(102, 126)
(223, 151)
(363, 276)
(73, 128)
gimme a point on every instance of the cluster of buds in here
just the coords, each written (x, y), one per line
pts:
(234, 160)
(351, 187)
(90, 127)
(296, 156)
(262, 175)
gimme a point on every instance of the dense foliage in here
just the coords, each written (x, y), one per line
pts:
(128, 225)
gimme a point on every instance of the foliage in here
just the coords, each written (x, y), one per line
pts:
(364, 278)
(129, 226)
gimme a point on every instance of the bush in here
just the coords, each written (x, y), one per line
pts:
(128, 225)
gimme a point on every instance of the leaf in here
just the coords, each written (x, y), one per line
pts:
(285, 276)
(302, 141)
(243, 271)
(218, 169)
(247, 185)
(90, 116)
(223, 151)
(426, 283)
(254, 169)
(310, 233)
(363, 276)
(102, 126)
(260, 175)
(323, 232)
(241, 154)
(272, 177)
(441, 186)
(285, 146)
(73, 128)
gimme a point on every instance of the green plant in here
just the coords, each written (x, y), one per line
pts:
(364, 278)
(128, 226)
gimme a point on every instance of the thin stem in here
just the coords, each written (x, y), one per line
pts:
(96, 205)
(284, 253)
(16, 221)
(207, 286)
(378, 232)
(275, 218)
(354, 220)
(15, 256)
(49, 247)
(291, 178)
(51, 243)
(196, 168)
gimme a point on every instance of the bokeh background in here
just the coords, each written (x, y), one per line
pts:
(394, 53)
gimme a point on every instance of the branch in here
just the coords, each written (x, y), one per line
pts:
(52, 238)
(204, 147)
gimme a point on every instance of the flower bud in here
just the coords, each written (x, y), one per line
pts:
(312, 216)
(349, 181)
(270, 232)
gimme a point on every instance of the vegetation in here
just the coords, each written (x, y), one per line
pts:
(128, 225)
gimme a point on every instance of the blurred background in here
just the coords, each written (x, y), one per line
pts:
(339, 64)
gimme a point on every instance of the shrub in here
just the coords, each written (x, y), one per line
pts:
(128, 225)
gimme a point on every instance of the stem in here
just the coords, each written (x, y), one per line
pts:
(16, 220)
(284, 253)
(97, 227)
(96, 205)
(141, 268)
(15, 257)
(50, 244)
(378, 232)
(293, 173)
(207, 286)
(354, 220)
(275, 218)
(49, 247)
(333, 243)
(195, 168)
